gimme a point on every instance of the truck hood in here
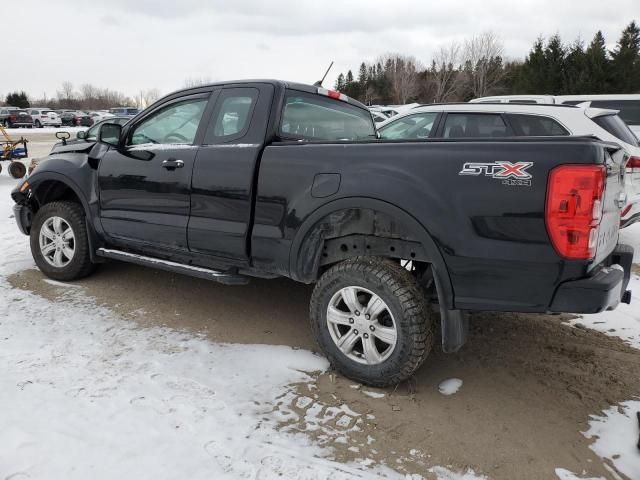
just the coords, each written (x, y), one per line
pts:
(72, 146)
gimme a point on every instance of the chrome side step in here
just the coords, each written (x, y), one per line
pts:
(200, 272)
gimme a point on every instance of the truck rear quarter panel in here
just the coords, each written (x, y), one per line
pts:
(490, 231)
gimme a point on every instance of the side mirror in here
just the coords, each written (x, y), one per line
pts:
(63, 136)
(81, 135)
(109, 134)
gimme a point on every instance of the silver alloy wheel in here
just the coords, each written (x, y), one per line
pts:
(361, 325)
(57, 242)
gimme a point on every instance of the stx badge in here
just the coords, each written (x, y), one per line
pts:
(509, 173)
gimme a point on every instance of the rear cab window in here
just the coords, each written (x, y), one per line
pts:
(306, 116)
(535, 125)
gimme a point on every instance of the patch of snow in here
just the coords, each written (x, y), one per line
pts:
(616, 434)
(450, 386)
(443, 473)
(623, 322)
(60, 284)
(371, 394)
(563, 474)
(631, 236)
(21, 132)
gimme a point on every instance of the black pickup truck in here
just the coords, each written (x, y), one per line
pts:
(269, 178)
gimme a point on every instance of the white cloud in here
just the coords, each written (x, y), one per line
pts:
(130, 46)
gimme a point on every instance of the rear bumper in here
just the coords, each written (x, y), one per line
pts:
(603, 290)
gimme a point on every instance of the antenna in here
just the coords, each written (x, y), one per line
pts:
(319, 82)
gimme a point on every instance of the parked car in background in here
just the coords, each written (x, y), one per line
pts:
(490, 120)
(124, 111)
(99, 115)
(379, 117)
(628, 105)
(12, 117)
(76, 118)
(44, 117)
(86, 137)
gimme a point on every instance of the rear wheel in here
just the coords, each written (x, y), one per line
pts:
(59, 241)
(38, 124)
(371, 319)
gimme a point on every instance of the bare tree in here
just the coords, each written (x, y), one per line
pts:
(445, 73)
(402, 73)
(150, 96)
(482, 58)
(66, 95)
(191, 82)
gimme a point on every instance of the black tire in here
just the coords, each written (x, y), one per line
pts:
(38, 124)
(17, 170)
(80, 265)
(404, 300)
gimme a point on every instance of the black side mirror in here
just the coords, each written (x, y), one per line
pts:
(109, 134)
(63, 136)
(81, 135)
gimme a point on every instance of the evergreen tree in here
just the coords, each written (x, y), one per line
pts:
(575, 79)
(555, 57)
(340, 83)
(18, 99)
(597, 65)
(362, 75)
(532, 75)
(625, 61)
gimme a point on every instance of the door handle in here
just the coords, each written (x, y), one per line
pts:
(172, 164)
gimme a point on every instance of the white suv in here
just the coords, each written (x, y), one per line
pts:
(485, 120)
(44, 117)
(628, 105)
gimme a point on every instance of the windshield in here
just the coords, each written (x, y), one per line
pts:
(616, 127)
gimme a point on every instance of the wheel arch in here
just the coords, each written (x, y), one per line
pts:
(51, 186)
(369, 227)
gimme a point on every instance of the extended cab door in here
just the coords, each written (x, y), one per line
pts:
(145, 185)
(224, 172)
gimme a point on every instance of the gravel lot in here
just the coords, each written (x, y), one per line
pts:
(529, 382)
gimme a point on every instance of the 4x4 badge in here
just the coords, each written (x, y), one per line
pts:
(509, 173)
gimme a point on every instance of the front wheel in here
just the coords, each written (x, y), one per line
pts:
(59, 241)
(372, 321)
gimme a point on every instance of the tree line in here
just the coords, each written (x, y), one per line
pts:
(85, 97)
(477, 68)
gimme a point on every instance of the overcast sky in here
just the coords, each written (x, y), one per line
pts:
(129, 45)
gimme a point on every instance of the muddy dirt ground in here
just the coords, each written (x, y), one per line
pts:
(530, 381)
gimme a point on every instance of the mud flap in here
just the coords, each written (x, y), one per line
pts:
(455, 327)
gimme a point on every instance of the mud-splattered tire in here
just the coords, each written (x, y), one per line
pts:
(372, 321)
(53, 220)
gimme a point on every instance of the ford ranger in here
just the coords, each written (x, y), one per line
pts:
(276, 179)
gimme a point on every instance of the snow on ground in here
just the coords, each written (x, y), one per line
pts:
(616, 436)
(450, 386)
(85, 394)
(21, 132)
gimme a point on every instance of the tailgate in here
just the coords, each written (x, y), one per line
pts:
(613, 200)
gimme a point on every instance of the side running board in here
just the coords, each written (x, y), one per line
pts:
(200, 272)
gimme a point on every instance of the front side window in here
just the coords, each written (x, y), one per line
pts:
(474, 125)
(536, 126)
(410, 127)
(174, 124)
(312, 117)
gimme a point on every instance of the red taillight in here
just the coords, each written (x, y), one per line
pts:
(333, 94)
(633, 162)
(574, 209)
